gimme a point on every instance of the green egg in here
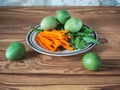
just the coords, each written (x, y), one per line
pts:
(73, 25)
(49, 23)
(92, 61)
(62, 16)
(15, 51)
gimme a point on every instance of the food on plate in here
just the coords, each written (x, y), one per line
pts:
(80, 35)
(15, 51)
(92, 61)
(62, 16)
(73, 25)
(52, 40)
(49, 23)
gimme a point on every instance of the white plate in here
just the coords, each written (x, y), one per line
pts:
(31, 42)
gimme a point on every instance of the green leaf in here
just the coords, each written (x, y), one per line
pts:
(87, 30)
(72, 37)
(80, 34)
(36, 29)
(90, 39)
(79, 43)
(82, 44)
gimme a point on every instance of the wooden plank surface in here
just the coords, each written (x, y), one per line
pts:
(41, 72)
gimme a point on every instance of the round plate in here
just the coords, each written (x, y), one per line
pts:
(31, 42)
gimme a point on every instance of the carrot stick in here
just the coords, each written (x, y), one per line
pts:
(41, 44)
(67, 47)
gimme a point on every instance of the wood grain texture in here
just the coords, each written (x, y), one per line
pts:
(41, 72)
(59, 82)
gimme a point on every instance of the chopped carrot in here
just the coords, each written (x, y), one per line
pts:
(38, 41)
(52, 40)
(67, 47)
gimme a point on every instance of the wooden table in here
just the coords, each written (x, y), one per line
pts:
(42, 72)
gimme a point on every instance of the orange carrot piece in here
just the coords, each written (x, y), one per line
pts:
(45, 40)
(47, 45)
(41, 44)
(67, 47)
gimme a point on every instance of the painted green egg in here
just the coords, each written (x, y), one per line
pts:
(73, 25)
(49, 23)
(15, 51)
(62, 16)
(92, 61)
